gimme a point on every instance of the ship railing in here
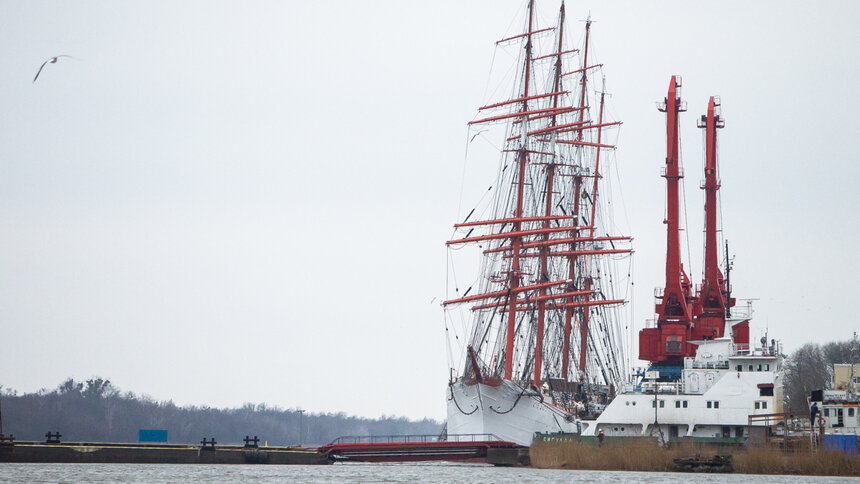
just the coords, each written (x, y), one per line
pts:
(709, 365)
(747, 350)
(664, 172)
(388, 439)
(662, 387)
(742, 311)
(703, 182)
(740, 349)
(767, 351)
(650, 323)
(741, 314)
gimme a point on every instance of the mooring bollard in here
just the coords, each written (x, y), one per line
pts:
(207, 444)
(252, 443)
(52, 437)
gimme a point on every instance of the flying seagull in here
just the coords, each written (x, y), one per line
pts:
(52, 60)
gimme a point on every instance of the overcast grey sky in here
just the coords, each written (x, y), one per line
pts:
(225, 202)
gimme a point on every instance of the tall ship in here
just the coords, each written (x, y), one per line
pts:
(537, 333)
(705, 379)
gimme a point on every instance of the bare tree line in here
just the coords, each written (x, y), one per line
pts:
(810, 367)
(97, 411)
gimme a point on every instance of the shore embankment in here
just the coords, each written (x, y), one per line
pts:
(647, 455)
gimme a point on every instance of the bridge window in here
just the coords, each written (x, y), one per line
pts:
(673, 344)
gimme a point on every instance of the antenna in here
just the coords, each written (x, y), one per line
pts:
(728, 283)
(853, 359)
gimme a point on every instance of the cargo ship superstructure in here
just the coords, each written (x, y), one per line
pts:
(704, 379)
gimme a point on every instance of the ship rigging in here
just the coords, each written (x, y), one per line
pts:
(547, 304)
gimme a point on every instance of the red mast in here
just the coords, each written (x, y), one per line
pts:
(583, 324)
(668, 342)
(517, 241)
(571, 274)
(583, 344)
(712, 298)
(568, 316)
(550, 177)
(713, 286)
(673, 307)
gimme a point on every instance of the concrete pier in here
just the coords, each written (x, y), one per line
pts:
(102, 453)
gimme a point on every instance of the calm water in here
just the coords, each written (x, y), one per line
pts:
(423, 472)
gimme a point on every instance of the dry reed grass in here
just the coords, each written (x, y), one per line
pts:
(647, 455)
(771, 460)
(633, 455)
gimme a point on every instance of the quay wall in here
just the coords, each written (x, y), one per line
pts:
(86, 452)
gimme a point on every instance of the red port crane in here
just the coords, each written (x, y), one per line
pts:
(681, 315)
(667, 343)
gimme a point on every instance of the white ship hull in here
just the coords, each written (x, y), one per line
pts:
(505, 411)
(719, 390)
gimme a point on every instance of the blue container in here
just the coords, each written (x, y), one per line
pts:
(150, 435)
(845, 443)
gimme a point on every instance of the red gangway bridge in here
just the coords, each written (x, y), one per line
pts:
(413, 448)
